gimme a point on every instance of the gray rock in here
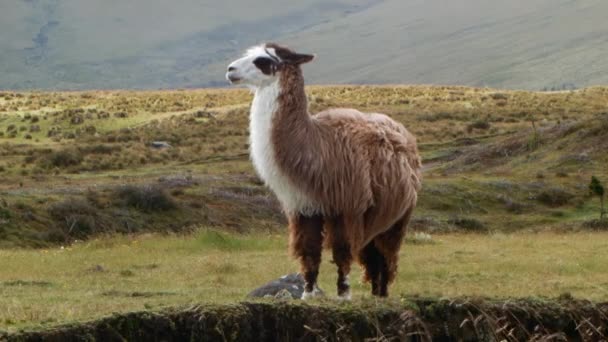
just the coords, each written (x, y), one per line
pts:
(160, 144)
(291, 284)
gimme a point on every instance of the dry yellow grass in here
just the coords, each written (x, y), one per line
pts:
(99, 277)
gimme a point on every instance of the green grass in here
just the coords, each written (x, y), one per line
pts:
(118, 274)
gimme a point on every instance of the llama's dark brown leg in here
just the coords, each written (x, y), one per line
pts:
(383, 280)
(388, 244)
(372, 260)
(342, 256)
(306, 244)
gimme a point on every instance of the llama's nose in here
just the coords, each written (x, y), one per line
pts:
(231, 68)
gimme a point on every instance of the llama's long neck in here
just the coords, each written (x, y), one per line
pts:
(294, 135)
(283, 143)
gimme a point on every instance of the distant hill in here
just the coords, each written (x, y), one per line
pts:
(92, 44)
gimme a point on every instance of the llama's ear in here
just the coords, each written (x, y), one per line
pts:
(288, 56)
(300, 58)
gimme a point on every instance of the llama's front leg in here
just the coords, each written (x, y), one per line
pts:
(343, 259)
(342, 254)
(306, 244)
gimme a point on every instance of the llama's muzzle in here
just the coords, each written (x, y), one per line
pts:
(232, 78)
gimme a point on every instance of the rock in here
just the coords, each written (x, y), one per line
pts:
(289, 286)
(160, 144)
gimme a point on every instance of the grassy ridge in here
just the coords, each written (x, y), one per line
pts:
(419, 319)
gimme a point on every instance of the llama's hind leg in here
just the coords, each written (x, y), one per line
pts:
(388, 245)
(373, 262)
(342, 255)
(306, 244)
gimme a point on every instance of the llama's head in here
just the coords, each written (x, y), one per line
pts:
(261, 64)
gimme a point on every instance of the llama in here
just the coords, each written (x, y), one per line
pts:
(346, 180)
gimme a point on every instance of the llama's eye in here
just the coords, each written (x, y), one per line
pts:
(264, 64)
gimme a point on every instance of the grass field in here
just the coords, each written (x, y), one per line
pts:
(96, 278)
(93, 220)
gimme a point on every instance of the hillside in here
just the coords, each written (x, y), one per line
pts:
(81, 164)
(68, 44)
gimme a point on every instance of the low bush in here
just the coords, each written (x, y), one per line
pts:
(75, 217)
(468, 224)
(100, 149)
(554, 197)
(145, 198)
(62, 159)
(479, 124)
(596, 224)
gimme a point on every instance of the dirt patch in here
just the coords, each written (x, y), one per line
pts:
(415, 319)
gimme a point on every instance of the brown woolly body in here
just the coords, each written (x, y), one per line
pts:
(362, 169)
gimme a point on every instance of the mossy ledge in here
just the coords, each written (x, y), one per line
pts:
(412, 319)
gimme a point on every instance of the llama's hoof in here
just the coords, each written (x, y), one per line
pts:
(345, 297)
(312, 294)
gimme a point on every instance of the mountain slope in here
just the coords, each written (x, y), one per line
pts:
(514, 44)
(71, 44)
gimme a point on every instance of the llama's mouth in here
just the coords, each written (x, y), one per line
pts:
(233, 79)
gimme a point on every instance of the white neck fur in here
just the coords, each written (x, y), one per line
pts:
(263, 107)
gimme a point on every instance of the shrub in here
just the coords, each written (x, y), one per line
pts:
(5, 214)
(145, 197)
(100, 149)
(554, 197)
(596, 224)
(75, 217)
(499, 96)
(479, 124)
(469, 224)
(597, 189)
(63, 158)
